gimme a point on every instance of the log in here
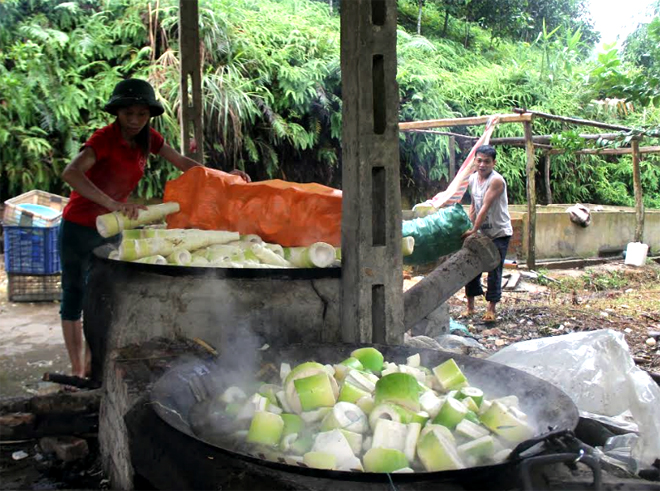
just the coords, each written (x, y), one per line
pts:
(61, 402)
(639, 197)
(472, 121)
(586, 122)
(531, 197)
(478, 255)
(64, 413)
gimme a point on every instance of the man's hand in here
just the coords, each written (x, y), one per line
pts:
(472, 231)
(130, 210)
(240, 173)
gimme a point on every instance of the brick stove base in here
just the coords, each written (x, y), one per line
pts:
(138, 446)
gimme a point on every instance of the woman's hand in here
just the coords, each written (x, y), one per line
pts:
(242, 174)
(130, 210)
(468, 233)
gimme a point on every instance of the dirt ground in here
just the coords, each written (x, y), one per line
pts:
(611, 296)
(608, 296)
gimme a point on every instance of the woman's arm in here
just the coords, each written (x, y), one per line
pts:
(185, 163)
(175, 158)
(74, 175)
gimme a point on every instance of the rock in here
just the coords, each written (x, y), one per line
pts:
(651, 342)
(67, 448)
(20, 455)
(422, 342)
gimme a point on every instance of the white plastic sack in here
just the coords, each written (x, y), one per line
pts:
(596, 370)
(580, 215)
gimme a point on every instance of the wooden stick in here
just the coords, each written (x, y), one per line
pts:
(639, 198)
(611, 151)
(548, 189)
(531, 197)
(473, 121)
(586, 122)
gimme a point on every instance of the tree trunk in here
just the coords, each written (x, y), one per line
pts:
(419, 17)
(446, 24)
(330, 4)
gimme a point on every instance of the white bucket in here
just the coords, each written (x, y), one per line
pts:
(636, 254)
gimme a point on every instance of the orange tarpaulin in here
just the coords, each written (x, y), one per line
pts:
(286, 213)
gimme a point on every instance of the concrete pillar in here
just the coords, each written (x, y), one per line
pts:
(372, 306)
(191, 81)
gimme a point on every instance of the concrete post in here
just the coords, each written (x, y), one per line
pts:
(191, 81)
(372, 306)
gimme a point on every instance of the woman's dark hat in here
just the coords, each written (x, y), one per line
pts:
(133, 91)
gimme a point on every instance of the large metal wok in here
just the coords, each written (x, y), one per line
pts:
(549, 409)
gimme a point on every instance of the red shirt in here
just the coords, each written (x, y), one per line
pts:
(116, 172)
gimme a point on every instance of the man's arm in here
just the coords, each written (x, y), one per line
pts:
(495, 189)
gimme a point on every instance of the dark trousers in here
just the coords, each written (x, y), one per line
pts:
(494, 291)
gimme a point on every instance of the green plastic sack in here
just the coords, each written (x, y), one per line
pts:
(436, 235)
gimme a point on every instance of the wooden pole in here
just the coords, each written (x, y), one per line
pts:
(531, 197)
(585, 122)
(516, 140)
(191, 81)
(474, 121)
(452, 158)
(612, 151)
(639, 198)
(548, 189)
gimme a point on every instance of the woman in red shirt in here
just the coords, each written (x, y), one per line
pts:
(103, 175)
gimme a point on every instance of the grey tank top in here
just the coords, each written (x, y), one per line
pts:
(498, 222)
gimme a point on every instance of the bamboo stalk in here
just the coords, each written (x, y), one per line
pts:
(612, 151)
(531, 197)
(472, 121)
(548, 189)
(452, 158)
(639, 198)
(586, 122)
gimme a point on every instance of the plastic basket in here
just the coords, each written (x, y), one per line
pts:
(15, 215)
(30, 288)
(32, 250)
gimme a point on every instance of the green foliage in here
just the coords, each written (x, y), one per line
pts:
(272, 88)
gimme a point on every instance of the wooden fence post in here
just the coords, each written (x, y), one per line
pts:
(531, 197)
(191, 73)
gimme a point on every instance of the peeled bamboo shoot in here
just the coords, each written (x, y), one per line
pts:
(114, 223)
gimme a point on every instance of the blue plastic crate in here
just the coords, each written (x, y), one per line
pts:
(32, 250)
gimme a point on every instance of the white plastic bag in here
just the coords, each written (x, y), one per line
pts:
(596, 370)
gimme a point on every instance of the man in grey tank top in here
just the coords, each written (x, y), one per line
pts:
(489, 213)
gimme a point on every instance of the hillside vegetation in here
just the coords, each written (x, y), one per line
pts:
(272, 88)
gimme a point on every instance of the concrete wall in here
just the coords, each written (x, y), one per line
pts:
(611, 229)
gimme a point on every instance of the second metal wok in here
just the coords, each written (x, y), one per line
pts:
(548, 408)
